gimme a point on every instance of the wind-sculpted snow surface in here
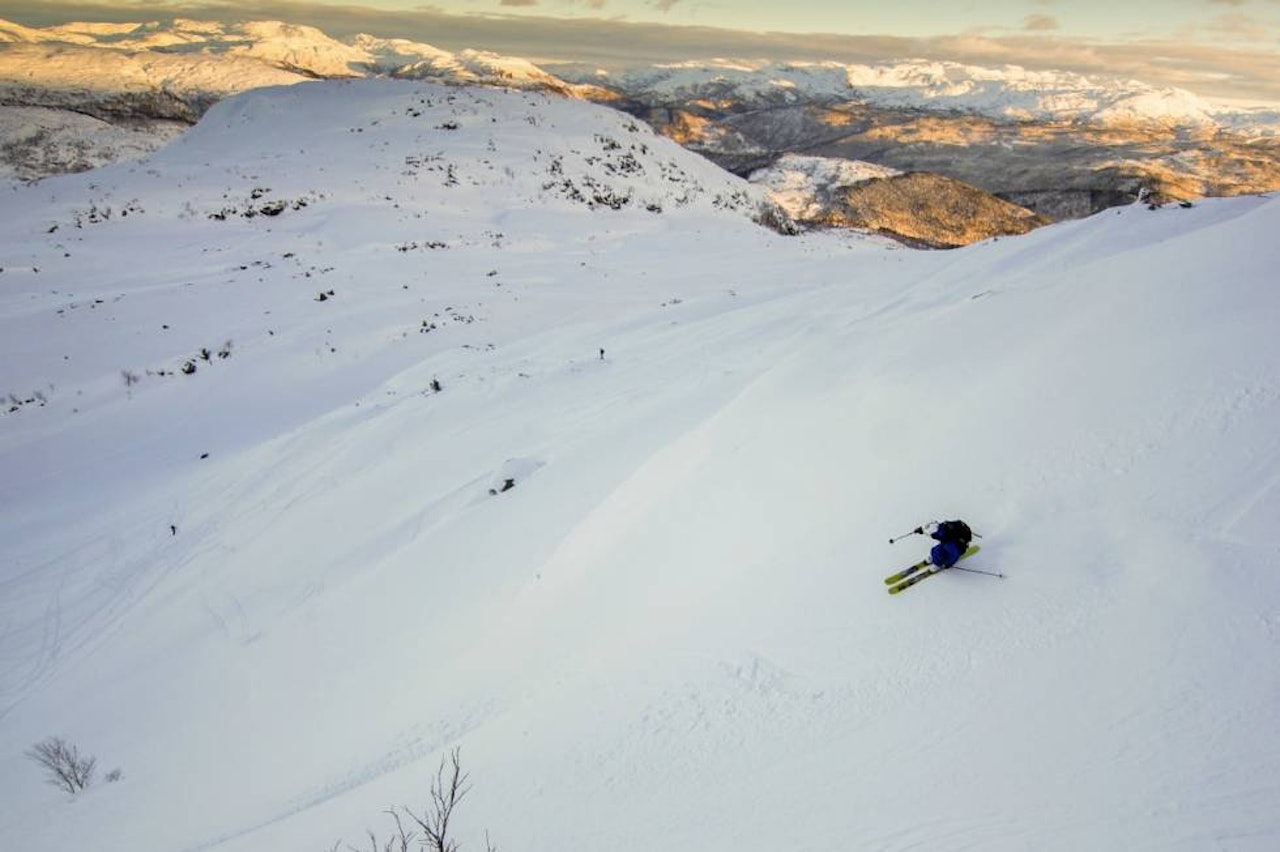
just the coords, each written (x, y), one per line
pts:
(601, 493)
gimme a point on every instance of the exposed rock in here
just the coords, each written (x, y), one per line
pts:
(929, 210)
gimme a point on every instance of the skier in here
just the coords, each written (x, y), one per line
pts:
(953, 539)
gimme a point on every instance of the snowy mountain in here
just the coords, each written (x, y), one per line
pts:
(1060, 144)
(374, 419)
(85, 94)
(274, 46)
(1008, 93)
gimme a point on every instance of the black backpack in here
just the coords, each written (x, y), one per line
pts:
(957, 531)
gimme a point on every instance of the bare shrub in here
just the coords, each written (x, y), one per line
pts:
(432, 824)
(446, 792)
(67, 769)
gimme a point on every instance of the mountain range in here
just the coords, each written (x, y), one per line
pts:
(984, 140)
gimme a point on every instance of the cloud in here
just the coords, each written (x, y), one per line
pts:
(1207, 69)
(664, 5)
(1227, 2)
(1241, 28)
(1040, 23)
(517, 2)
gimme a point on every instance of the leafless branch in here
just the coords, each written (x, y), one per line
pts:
(447, 791)
(67, 769)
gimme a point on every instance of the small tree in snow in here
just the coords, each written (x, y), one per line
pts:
(448, 789)
(67, 769)
(446, 792)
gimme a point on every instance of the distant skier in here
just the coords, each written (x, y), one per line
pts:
(953, 539)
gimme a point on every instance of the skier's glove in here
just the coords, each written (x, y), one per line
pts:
(919, 530)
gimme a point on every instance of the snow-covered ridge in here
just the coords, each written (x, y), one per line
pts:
(298, 49)
(438, 143)
(1009, 92)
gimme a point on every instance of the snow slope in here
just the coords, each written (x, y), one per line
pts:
(276, 591)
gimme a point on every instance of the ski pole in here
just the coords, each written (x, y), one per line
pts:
(916, 531)
(978, 571)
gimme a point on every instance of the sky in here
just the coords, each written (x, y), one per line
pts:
(1234, 20)
(1215, 48)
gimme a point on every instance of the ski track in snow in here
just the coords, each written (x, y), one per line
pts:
(296, 578)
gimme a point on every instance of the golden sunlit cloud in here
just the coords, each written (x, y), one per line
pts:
(1237, 27)
(1040, 23)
